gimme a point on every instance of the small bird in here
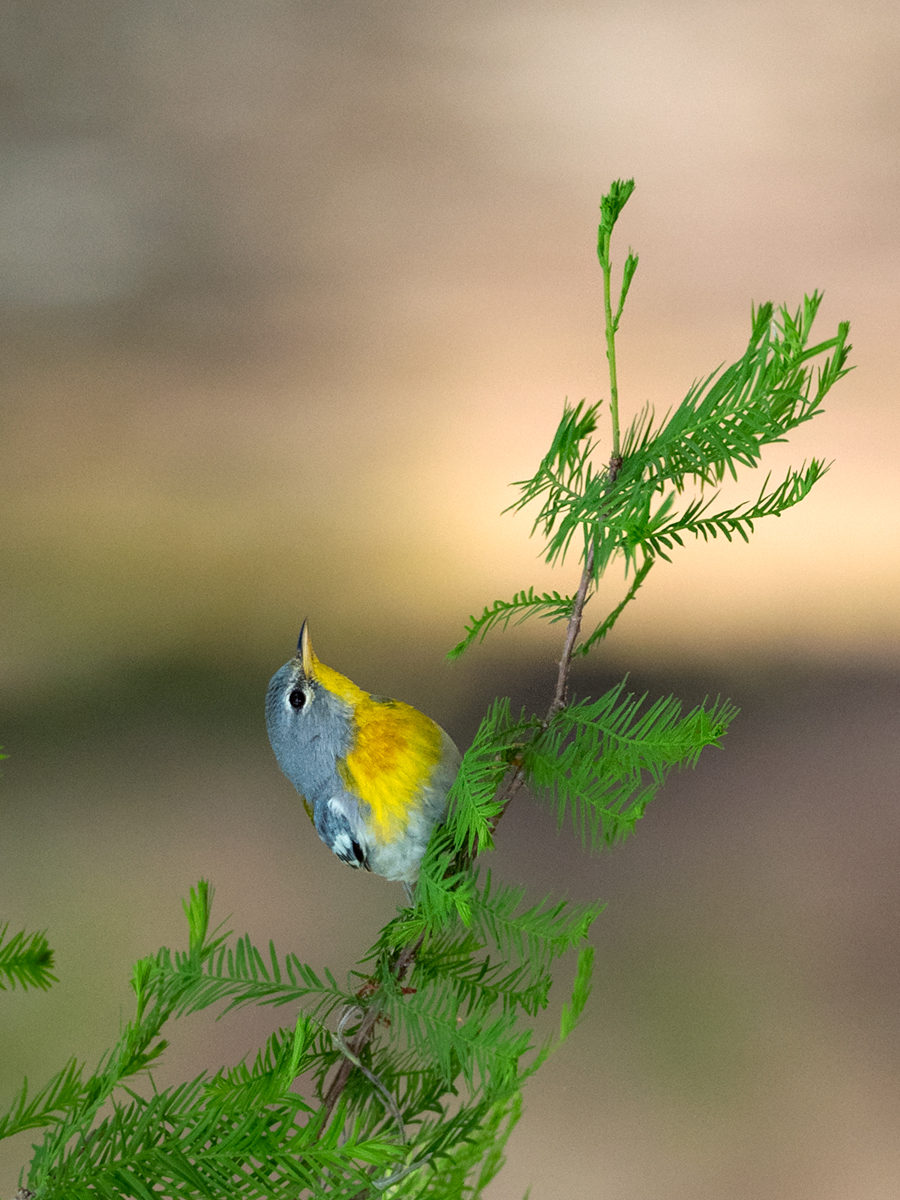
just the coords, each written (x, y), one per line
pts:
(372, 773)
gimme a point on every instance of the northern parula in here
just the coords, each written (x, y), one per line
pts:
(372, 773)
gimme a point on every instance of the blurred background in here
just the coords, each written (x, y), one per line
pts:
(289, 293)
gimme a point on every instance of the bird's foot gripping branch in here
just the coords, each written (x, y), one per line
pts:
(406, 1078)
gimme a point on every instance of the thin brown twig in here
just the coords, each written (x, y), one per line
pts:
(516, 778)
(363, 1035)
(573, 628)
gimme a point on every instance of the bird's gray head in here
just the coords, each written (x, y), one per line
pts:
(310, 726)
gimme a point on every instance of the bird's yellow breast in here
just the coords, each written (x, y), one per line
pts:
(393, 754)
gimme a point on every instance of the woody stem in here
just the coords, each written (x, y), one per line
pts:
(516, 778)
(363, 1035)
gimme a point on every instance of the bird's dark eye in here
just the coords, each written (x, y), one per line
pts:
(297, 698)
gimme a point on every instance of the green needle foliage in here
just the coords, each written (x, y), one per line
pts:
(405, 1079)
(25, 959)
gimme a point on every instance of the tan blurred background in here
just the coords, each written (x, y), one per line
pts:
(290, 293)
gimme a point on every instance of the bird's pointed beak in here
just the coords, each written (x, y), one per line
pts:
(305, 651)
